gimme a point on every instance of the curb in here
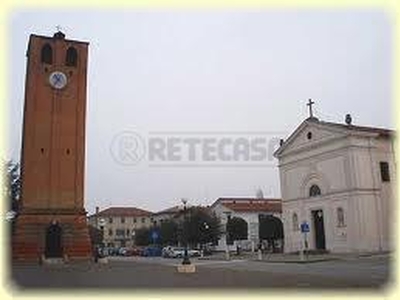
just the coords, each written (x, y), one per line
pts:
(296, 261)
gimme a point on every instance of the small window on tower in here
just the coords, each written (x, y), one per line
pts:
(47, 54)
(71, 59)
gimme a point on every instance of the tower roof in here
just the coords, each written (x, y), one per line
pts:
(59, 35)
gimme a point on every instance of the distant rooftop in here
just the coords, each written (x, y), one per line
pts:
(251, 204)
(124, 212)
(171, 210)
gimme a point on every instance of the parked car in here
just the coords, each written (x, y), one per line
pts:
(122, 251)
(178, 252)
(207, 251)
(193, 252)
(151, 251)
(136, 251)
(173, 252)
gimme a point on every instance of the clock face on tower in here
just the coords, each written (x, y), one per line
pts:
(58, 80)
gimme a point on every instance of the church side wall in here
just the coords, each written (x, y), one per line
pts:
(387, 195)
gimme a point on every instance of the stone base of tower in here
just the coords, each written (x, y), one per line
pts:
(29, 240)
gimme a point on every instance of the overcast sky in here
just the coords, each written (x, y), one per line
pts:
(209, 71)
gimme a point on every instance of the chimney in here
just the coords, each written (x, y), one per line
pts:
(280, 142)
(97, 210)
(348, 119)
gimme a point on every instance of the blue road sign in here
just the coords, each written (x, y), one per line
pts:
(305, 227)
(154, 235)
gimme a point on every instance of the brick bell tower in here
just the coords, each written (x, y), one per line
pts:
(52, 219)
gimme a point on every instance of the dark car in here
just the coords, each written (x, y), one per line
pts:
(151, 251)
(135, 251)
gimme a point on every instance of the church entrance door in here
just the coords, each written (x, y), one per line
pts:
(318, 217)
(53, 241)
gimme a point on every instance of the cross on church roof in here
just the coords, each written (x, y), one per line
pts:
(309, 104)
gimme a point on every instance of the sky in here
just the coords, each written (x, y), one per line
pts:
(207, 74)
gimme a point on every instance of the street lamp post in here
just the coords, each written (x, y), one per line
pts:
(186, 260)
(226, 236)
(206, 227)
(133, 237)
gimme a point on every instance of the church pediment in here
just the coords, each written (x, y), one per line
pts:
(311, 133)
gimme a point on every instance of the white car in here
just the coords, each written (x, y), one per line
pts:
(178, 252)
(173, 252)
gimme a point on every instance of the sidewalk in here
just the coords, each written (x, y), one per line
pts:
(295, 258)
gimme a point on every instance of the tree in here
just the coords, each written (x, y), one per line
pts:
(236, 229)
(201, 226)
(142, 237)
(12, 191)
(12, 185)
(96, 235)
(270, 229)
(169, 233)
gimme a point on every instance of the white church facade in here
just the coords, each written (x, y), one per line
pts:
(340, 179)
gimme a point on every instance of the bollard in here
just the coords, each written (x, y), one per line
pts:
(227, 254)
(259, 254)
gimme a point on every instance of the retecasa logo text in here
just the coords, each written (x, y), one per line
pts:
(196, 148)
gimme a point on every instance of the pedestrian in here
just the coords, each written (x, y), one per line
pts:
(96, 254)
(259, 251)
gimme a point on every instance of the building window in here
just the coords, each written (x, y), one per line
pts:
(295, 222)
(71, 58)
(127, 232)
(110, 232)
(315, 190)
(309, 135)
(134, 220)
(47, 54)
(110, 220)
(122, 220)
(340, 217)
(384, 171)
(143, 220)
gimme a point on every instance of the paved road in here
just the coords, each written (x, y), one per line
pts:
(145, 273)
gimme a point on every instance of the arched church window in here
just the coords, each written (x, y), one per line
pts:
(71, 59)
(315, 190)
(46, 55)
(340, 217)
(295, 222)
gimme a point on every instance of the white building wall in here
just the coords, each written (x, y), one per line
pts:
(252, 227)
(348, 173)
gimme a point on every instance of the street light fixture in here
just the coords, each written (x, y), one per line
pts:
(206, 227)
(186, 260)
